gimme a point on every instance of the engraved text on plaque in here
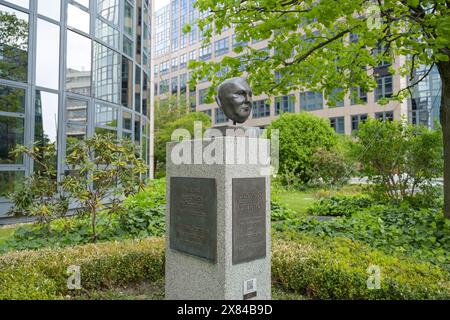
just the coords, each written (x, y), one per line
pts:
(193, 216)
(249, 219)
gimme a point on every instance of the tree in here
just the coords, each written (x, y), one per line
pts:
(166, 111)
(301, 136)
(399, 158)
(185, 122)
(333, 46)
(101, 172)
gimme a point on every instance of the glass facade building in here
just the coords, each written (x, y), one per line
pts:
(69, 69)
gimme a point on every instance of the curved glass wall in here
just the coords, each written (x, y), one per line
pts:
(69, 69)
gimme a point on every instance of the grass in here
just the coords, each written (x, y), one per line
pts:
(6, 232)
(299, 200)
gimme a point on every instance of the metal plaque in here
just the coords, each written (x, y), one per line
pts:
(193, 216)
(249, 219)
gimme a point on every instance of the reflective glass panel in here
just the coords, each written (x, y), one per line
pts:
(49, 9)
(47, 56)
(12, 99)
(128, 21)
(22, 3)
(11, 135)
(137, 129)
(77, 18)
(105, 115)
(137, 94)
(127, 123)
(109, 10)
(46, 117)
(127, 46)
(106, 75)
(78, 77)
(10, 181)
(127, 83)
(76, 111)
(145, 94)
(107, 34)
(13, 44)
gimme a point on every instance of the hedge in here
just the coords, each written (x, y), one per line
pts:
(42, 274)
(336, 268)
(310, 266)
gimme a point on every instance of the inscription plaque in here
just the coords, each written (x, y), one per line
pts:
(193, 216)
(249, 219)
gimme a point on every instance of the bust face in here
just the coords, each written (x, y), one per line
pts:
(234, 97)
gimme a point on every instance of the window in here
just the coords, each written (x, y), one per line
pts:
(205, 52)
(221, 47)
(385, 116)
(128, 21)
(202, 96)
(10, 181)
(46, 117)
(357, 96)
(284, 104)
(47, 55)
(338, 124)
(384, 88)
(183, 81)
(127, 83)
(105, 115)
(78, 75)
(164, 67)
(164, 86)
(310, 101)
(183, 61)
(14, 49)
(357, 119)
(12, 125)
(174, 85)
(192, 55)
(106, 75)
(261, 109)
(78, 18)
(174, 65)
(220, 116)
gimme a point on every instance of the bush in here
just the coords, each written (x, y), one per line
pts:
(301, 135)
(399, 158)
(332, 167)
(43, 274)
(146, 211)
(337, 269)
(340, 205)
(143, 216)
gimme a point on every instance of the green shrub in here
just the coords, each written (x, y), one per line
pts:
(301, 135)
(42, 274)
(143, 216)
(146, 211)
(399, 158)
(337, 269)
(423, 234)
(340, 205)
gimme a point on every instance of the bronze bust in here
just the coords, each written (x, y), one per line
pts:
(234, 97)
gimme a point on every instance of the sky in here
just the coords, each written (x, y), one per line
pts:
(161, 3)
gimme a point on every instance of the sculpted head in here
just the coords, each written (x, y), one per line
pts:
(234, 97)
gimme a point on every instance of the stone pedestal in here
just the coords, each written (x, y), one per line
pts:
(218, 219)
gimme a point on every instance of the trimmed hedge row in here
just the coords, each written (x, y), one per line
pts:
(42, 274)
(314, 267)
(337, 268)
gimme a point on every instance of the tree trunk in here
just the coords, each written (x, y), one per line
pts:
(444, 71)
